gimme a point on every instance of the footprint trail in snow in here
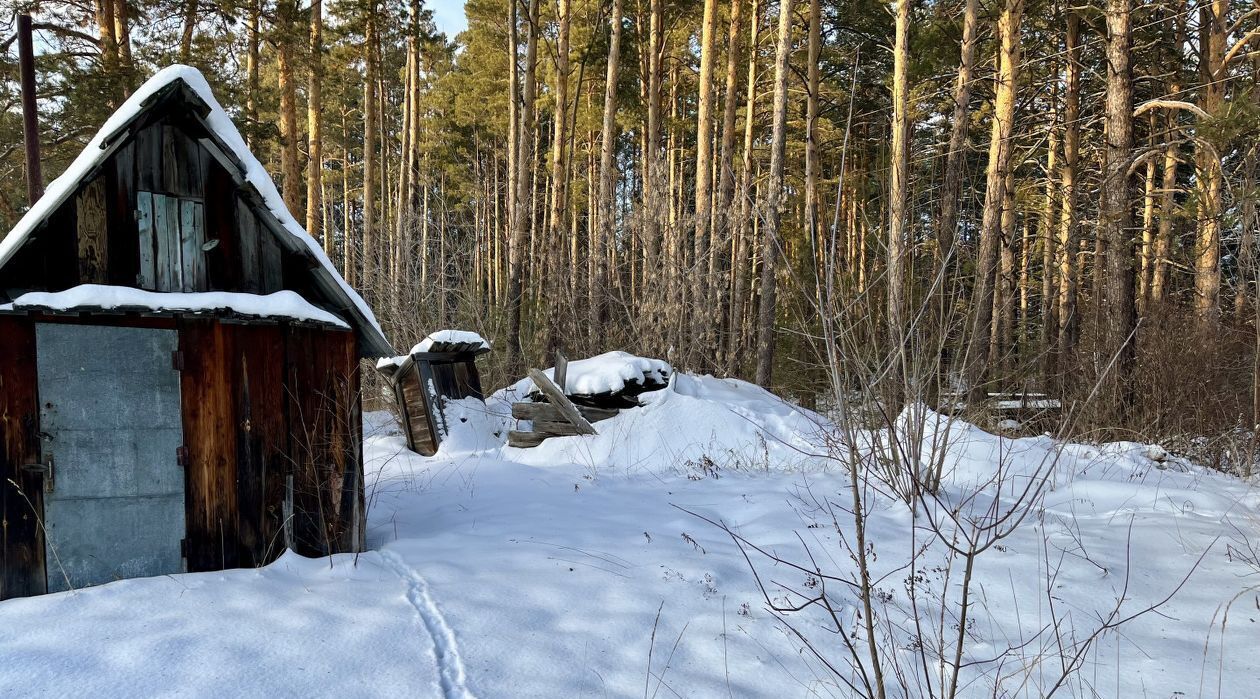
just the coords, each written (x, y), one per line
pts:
(450, 665)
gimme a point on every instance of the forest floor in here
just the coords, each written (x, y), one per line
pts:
(577, 569)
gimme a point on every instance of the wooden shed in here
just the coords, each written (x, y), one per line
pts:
(179, 362)
(440, 368)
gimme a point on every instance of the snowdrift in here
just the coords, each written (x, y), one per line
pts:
(694, 422)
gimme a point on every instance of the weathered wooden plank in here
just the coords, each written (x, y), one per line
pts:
(271, 263)
(92, 225)
(562, 372)
(558, 399)
(208, 387)
(147, 278)
(195, 161)
(525, 440)
(420, 432)
(262, 441)
(547, 411)
(175, 165)
(22, 555)
(321, 386)
(556, 428)
(433, 400)
(191, 239)
(148, 143)
(167, 259)
(248, 244)
(124, 240)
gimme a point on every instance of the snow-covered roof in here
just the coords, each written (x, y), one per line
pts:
(443, 340)
(610, 372)
(283, 305)
(440, 341)
(247, 170)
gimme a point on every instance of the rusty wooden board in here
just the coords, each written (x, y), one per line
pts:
(21, 507)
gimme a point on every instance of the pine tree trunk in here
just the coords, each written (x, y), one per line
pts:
(370, 253)
(1000, 148)
(122, 35)
(899, 190)
(1168, 183)
(698, 288)
(524, 198)
(286, 31)
(347, 245)
(1069, 218)
(1047, 235)
(514, 109)
(654, 195)
(956, 156)
(1148, 223)
(1115, 218)
(1207, 254)
(812, 85)
(190, 27)
(315, 129)
(107, 29)
(741, 246)
(722, 244)
(607, 215)
(560, 139)
(774, 201)
(253, 39)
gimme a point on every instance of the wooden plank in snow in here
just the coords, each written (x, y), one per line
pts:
(562, 372)
(558, 399)
(547, 411)
(525, 440)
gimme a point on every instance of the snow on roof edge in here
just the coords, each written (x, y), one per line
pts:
(221, 124)
(282, 304)
(457, 337)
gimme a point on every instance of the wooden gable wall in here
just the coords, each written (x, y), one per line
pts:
(108, 232)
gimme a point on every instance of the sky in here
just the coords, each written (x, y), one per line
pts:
(449, 16)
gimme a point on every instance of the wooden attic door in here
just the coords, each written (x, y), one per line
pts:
(171, 170)
(172, 243)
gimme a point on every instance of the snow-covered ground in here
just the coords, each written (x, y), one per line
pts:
(576, 569)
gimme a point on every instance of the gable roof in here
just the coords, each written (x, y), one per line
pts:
(228, 147)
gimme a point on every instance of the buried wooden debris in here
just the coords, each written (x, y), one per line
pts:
(554, 410)
(547, 411)
(559, 417)
(561, 402)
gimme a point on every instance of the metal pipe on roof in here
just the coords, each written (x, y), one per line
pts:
(30, 117)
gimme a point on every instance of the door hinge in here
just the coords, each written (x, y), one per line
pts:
(181, 457)
(177, 360)
(183, 548)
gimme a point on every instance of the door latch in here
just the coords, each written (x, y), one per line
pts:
(44, 470)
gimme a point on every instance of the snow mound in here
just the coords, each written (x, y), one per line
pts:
(610, 372)
(1082, 480)
(472, 427)
(282, 304)
(726, 423)
(450, 337)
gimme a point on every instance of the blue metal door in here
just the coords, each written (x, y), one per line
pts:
(112, 428)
